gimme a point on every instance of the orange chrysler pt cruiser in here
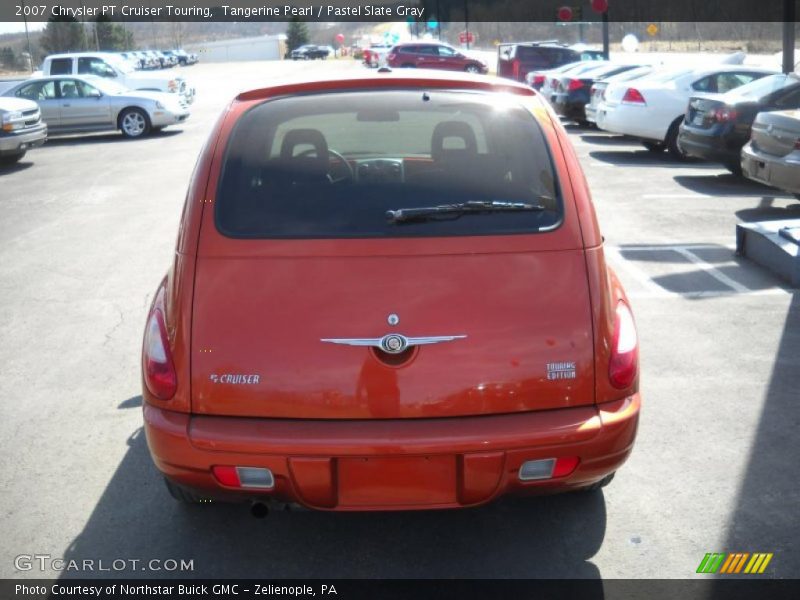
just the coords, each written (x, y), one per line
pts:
(388, 293)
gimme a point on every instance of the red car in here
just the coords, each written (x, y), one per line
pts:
(429, 55)
(388, 292)
(374, 55)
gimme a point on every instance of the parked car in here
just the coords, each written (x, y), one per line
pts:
(72, 104)
(156, 60)
(652, 108)
(166, 60)
(131, 58)
(536, 79)
(387, 297)
(516, 60)
(572, 93)
(111, 66)
(21, 128)
(376, 54)
(143, 61)
(184, 58)
(430, 55)
(309, 52)
(598, 89)
(552, 78)
(772, 156)
(717, 126)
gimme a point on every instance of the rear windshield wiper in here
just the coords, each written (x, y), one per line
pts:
(456, 210)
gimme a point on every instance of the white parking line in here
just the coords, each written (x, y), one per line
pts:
(713, 271)
(653, 290)
(669, 247)
(642, 277)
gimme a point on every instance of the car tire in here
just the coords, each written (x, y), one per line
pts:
(654, 147)
(134, 123)
(598, 484)
(472, 69)
(671, 141)
(11, 159)
(182, 494)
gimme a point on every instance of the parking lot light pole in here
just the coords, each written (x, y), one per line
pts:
(788, 36)
(27, 37)
(466, 22)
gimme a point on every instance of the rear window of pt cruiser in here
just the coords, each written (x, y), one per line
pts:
(332, 165)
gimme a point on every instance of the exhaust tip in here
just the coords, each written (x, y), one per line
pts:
(259, 510)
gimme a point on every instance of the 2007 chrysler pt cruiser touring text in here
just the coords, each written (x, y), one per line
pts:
(388, 293)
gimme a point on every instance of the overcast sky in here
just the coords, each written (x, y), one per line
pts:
(15, 26)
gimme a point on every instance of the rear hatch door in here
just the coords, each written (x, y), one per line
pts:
(297, 281)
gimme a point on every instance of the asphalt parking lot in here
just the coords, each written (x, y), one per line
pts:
(88, 228)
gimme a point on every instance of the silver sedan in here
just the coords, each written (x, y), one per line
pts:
(77, 104)
(772, 155)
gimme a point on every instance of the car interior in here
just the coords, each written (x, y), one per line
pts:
(312, 164)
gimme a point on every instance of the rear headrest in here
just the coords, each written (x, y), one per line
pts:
(318, 161)
(304, 137)
(453, 129)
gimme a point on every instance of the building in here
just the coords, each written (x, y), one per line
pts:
(264, 47)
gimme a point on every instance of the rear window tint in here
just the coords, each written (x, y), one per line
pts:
(764, 86)
(331, 166)
(529, 53)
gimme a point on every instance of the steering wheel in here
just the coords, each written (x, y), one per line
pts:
(349, 174)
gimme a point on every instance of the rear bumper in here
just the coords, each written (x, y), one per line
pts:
(632, 120)
(782, 172)
(568, 107)
(392, 464)
(14, 143)
(591, 113)
(711, 145)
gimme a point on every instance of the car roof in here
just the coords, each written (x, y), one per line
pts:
(83, 54)
(422, 43)
(723, 68)
(85, 77)
(387, 78)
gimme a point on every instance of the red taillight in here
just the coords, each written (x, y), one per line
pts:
(797, 144)
(565, 465)
(159, 371)
(624, 363)
(633, 96)
(723, 115)
(538, 79)
(226, 475)
(244, 477)
(547, 468)
(574, 84)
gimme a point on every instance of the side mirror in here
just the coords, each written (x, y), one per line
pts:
(95, 94)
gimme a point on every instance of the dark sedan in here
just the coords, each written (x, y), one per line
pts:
(717, 126)
(572, 93)
(310, 52)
